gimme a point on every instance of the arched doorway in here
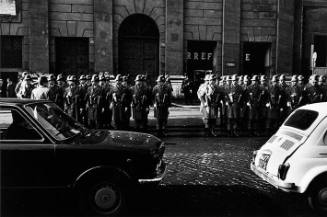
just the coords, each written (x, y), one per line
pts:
(138, 46)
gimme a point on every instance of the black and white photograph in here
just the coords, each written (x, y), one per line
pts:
(144, 108)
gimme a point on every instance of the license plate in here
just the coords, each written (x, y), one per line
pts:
(263, 161)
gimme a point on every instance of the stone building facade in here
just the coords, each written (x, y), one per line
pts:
(174, 37)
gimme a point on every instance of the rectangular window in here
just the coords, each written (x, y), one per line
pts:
(11, 51)
(302, 119)
(14, 127)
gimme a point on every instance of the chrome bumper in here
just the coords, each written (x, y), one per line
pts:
(155, 180)
(273, 180)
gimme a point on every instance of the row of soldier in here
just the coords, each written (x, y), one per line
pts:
(97, 103)
(255, 105)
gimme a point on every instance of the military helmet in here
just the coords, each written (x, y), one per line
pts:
(102, 78)
(160, 78)
(274, 78)
(27, 78)
(71, 78)
(119, 78)
(24, 74)
(300, 78)
(125, 78)
(95, 78)
(234, 77)
(322, 78)
(51, 77)
(294, 78)
(282, 77)
(60, 77)
(68, 78)
(314, 77)
(206, 77)
(246, 78)
(263, 78)
(212, 77)
(82, 78)
(88, 77)
(254, 78)
(138, 78)
(240, 78)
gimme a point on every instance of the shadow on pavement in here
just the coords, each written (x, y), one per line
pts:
(164, 200)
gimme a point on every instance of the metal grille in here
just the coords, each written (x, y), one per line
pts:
(287, 145)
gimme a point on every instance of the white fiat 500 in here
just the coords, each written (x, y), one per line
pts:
(294, 159)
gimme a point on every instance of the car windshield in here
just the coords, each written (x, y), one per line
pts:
(302, 119)
(54, 120)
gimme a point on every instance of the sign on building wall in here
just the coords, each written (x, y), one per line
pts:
(8, 7)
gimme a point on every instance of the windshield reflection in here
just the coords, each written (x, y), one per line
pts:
(54, 120)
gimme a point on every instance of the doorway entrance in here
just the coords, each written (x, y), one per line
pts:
(138, 46)
(256, 58)
(320, 47)
(72, 55)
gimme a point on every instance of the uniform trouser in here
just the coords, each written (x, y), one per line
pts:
(252, 118)
(272, 119)
(93, 117)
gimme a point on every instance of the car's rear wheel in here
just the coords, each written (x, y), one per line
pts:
(103, 198)
(317, 197)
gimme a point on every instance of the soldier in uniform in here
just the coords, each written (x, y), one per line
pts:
(233, 102)
(302, 91)
(252, 105)
(161, 104)
(83, 88)
(312, 90)
(273, 105)
(322, 88)
(263, 100)
(293, 95)
(93, 100)
(140, 105)
(121, 104)
(244, 109)
(88, 78)
(26, 87)
(71, 98)
(61, 91)
(283, 99)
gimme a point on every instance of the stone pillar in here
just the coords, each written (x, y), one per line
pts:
(103, 31)
(285, 31)
(39, 36)
(298, 27)
(174, 37)
(232, 34)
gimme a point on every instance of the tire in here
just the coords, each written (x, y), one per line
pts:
(317, 198)
(104, 197)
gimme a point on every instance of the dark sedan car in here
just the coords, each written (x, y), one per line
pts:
(43, 148)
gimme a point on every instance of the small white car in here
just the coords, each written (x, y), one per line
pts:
(294, 159)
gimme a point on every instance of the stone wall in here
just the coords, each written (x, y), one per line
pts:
(314, 23)
(259, 22)
(71, 18)
(18, 26)
(203, 21)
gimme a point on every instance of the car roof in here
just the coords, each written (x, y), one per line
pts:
(16, 101)
(319, 107)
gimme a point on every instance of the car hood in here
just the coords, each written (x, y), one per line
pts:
(120, 139)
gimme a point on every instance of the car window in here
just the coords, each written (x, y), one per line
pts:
(302, 119)
(15, 127)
